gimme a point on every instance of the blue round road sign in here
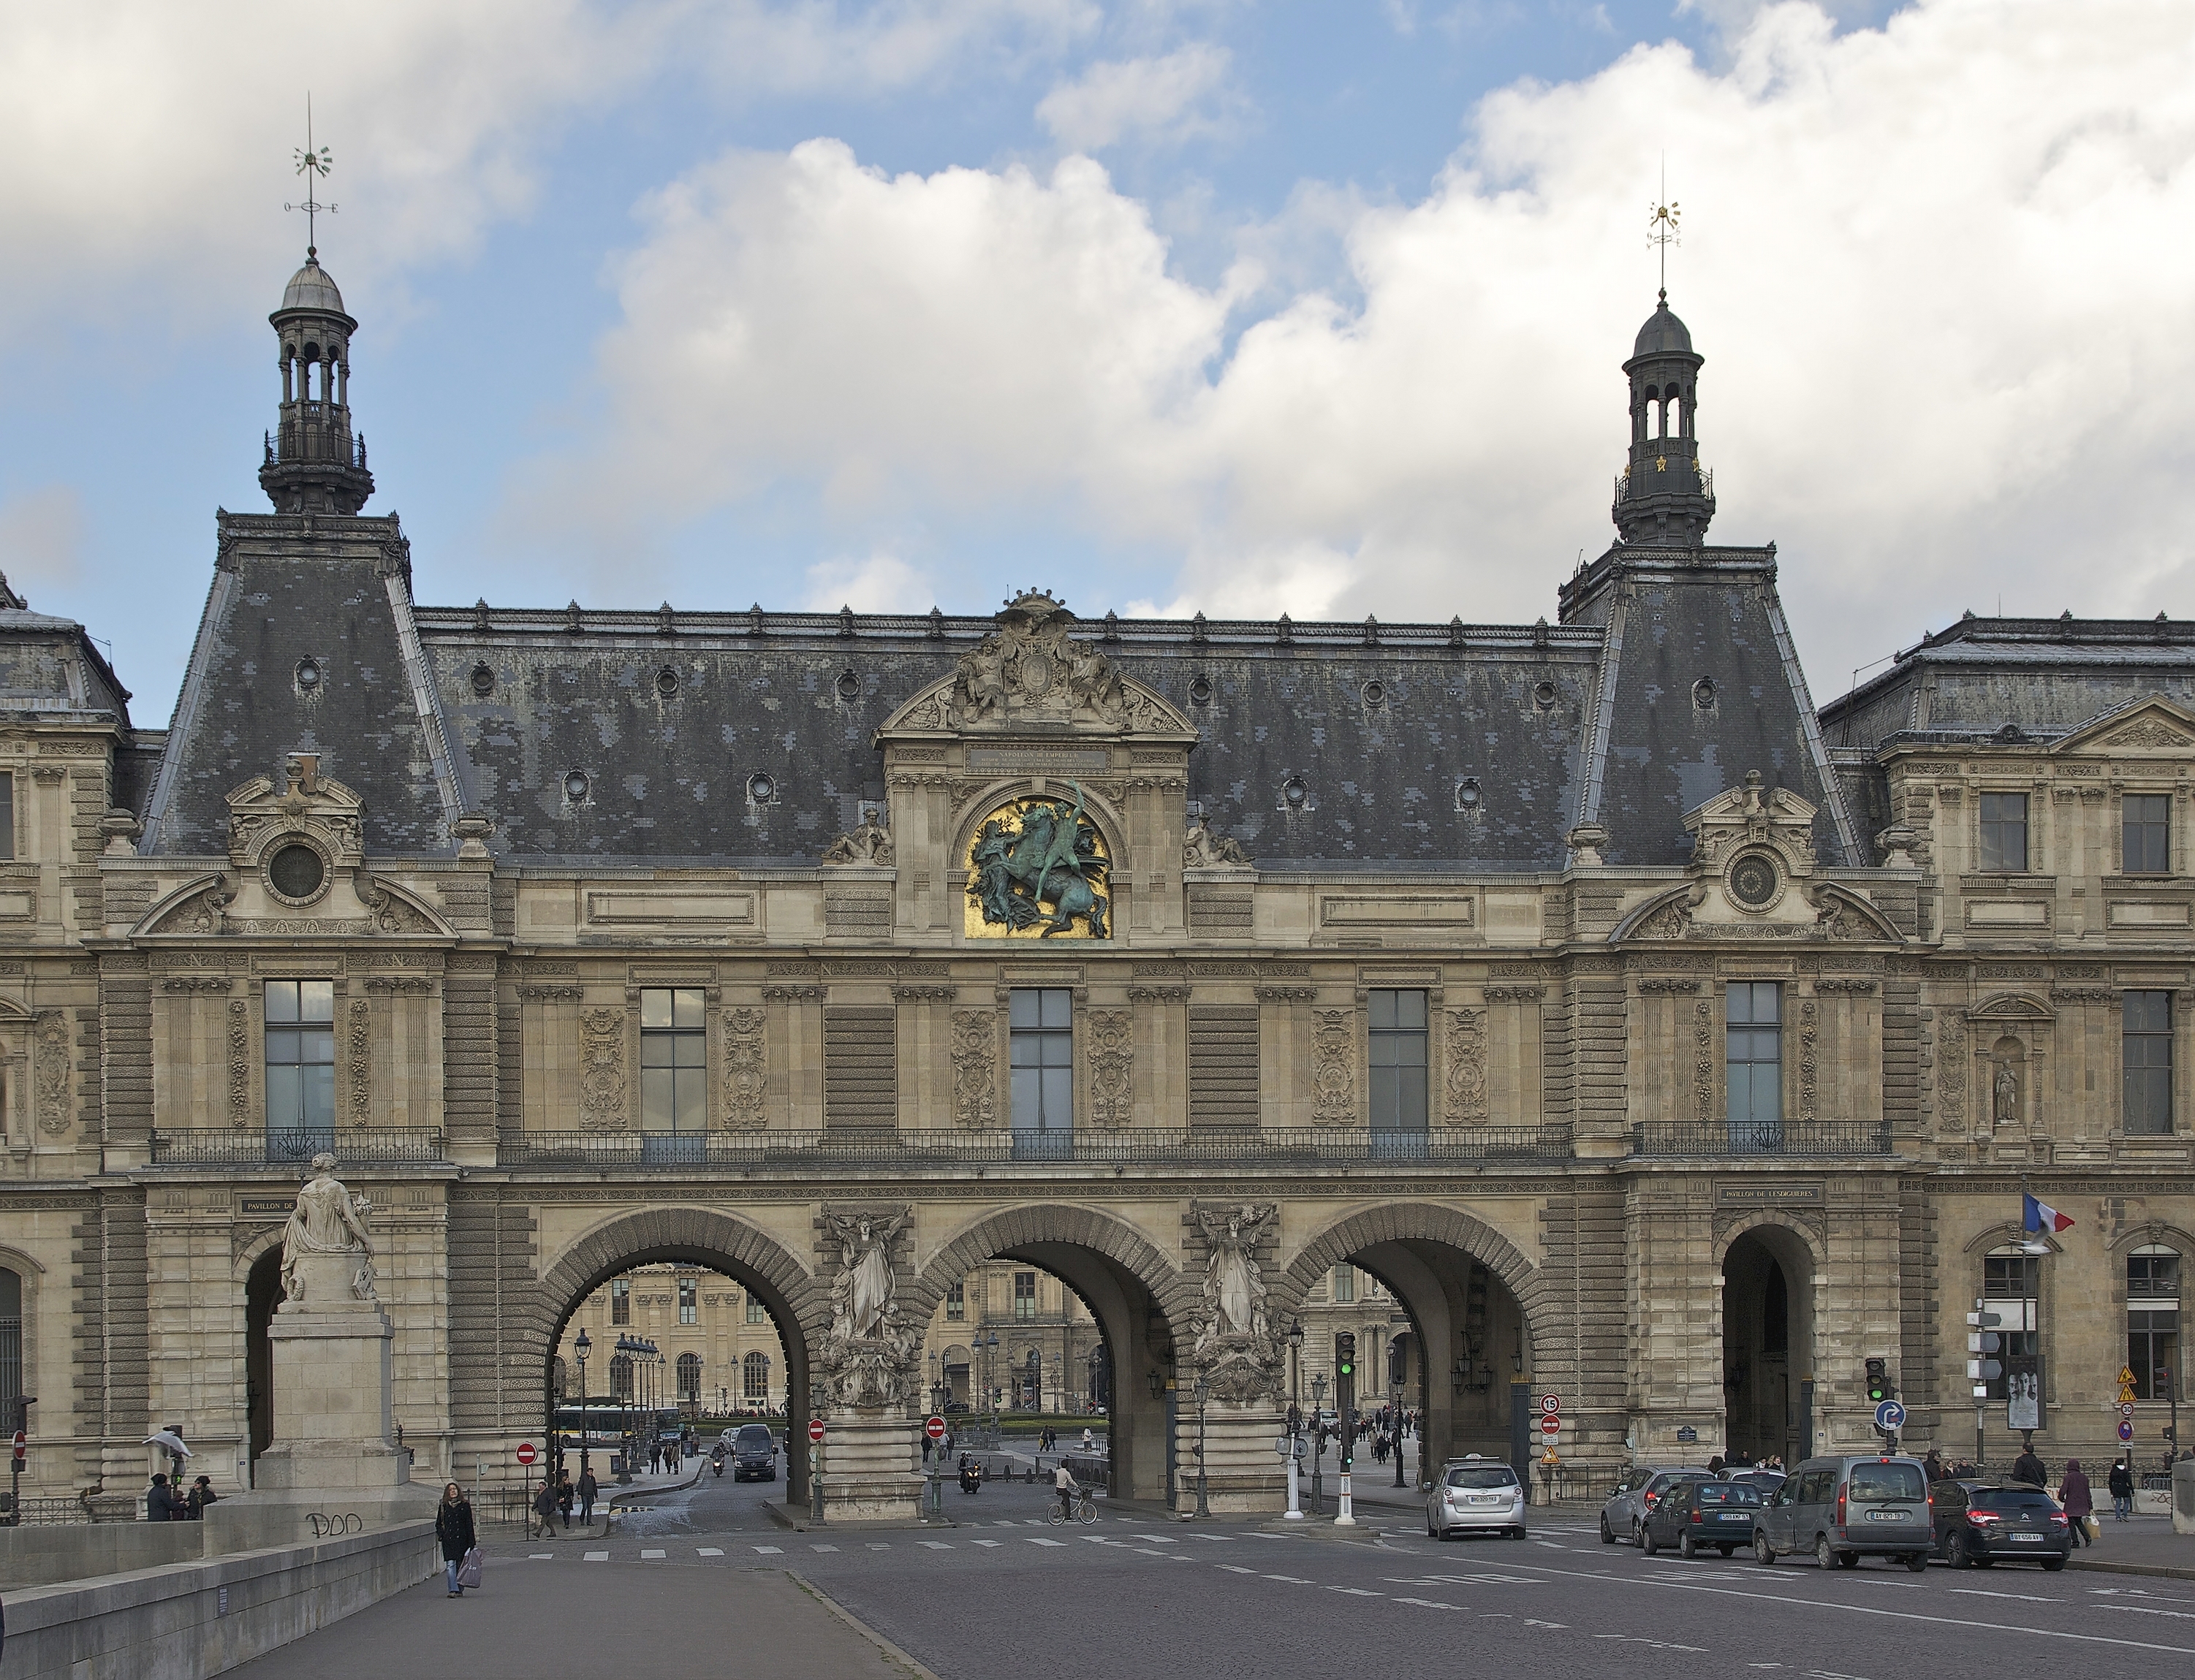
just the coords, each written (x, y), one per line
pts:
(1890, 1417)
(2126, 1431)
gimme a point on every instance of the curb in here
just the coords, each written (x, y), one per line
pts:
(2177, 1572)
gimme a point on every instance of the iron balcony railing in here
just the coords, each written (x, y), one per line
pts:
(1769, 1138)
(1305, 1145)
(225, 1147)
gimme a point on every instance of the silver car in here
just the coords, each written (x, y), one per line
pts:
(1638, 1493)
(1475, 1493)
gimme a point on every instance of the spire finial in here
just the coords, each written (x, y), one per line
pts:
(315, 165)
(1662, 229)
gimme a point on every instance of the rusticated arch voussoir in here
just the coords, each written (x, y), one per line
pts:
(1022, 1227)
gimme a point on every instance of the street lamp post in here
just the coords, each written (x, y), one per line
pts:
(1395, 1404)
(1318, 1445)
(1203, 1393)
(1295, 1420)
(582, 1348)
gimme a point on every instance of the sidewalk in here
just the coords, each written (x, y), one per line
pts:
(2145, 1545)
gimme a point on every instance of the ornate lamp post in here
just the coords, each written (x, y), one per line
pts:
(582, 1347)
(1295, 1339)
(1203, 1393)
(1318, 1445)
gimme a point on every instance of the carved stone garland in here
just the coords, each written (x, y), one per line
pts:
(746, 1068)
(602, 1086)
(1467, 1068)
(1334, 1067)
(975, 1058)
(1112, 1063)
(1703, 1088)
(359, 1051)
(1951, 1070)
(240, 1062)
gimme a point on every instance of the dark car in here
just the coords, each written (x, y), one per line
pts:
(754, 1453)
(1979, 1524)
(1692, 1515)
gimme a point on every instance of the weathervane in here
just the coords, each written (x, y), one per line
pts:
(314, 165)
(1661, 230)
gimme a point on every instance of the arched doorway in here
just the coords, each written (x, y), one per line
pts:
(263, 1294)
(1767, 1344)
(1451, 1307)
(1118, 1301)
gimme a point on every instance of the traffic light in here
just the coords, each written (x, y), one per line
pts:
(1878, 1381)
(1345, 1357)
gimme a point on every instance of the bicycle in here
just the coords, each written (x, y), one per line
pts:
(1084, 1511)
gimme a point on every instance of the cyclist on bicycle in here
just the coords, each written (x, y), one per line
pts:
(1064, 1484)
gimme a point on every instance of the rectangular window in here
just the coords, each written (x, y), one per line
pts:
(2004, 833)
(2153, 1323)
(1753, 1063)
(674, 1066)
(11, 1335)
(689, 1301)
(7, 814)
(1042, 1023)
(301, 1055)
(1024, 1294)
(956, 1300)
(2145, 827)
(1396, 1050)
(1345, 1283)
(2146, 1057)
(757, 1313)
(620, 1300)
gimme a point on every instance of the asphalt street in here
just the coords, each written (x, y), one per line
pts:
(1006, 1597)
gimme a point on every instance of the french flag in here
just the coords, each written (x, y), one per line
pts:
(2041, 1217)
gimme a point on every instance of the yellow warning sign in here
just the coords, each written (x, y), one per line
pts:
(2126, 1393)
(2126, 1378)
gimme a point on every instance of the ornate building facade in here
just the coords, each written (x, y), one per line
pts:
(1656, 1040)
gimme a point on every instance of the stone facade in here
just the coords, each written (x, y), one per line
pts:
(1653, 1039)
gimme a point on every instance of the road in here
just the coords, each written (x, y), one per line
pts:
(1008, 1597)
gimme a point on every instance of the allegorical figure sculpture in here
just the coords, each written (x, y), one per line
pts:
(2004, 1107)
(327, 1219)
(1053, 860)
(1234, 1292)
(866, 1359)
(1201, 848)
(870, 843)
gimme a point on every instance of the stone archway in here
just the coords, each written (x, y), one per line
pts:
(1768, 1267)
(796, 1303)
(1479, 1314)
(1143, 1308)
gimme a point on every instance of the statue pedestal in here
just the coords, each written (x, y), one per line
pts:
(1243, 1474)
(332, 1469)
(868, 1473)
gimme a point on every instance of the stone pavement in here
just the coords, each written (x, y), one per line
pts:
(526, 1622)
(2142, 1546)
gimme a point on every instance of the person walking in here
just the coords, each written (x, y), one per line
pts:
(1934, 1466)
(161, 1505)
(2121, 1486)
(453, 1530)
(589, 1489)
(544, 1509)
(2073, 1495)
(565, 1494)
(2028, 1468)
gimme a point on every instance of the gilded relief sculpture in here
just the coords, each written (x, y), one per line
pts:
(1037, 865)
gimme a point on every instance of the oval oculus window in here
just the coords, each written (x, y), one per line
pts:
(1753, 882)
(297, 871)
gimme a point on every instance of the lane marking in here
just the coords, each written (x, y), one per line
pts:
(1160, 1539)
(646, 1555)
(1432, 1604)
(1357, 1591)
(1035, 1541)
(936, 1545)
(817, 1548)
(879, 1545)
(1236, 1569)
(709, 1551)
(540, 1556)
(767, 1551)
(1983, 1592)
(1220, 1539)
(1293, 1580)
(987, 1542)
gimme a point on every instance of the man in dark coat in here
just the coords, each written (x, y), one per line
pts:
(161, 1505)
(2121, 1483)
(589, 1488)
(2028, 1468)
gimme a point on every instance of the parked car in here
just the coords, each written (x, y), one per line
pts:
(1692, 1515)
(754, 1453)
(1475, 1493)
(1843, 1509)
(1978, 1523)
(1638, 1493)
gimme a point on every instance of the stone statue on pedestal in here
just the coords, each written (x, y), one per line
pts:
(1235, 1341)
(327, 1220)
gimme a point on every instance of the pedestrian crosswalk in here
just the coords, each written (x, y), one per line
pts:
(1153, 1544)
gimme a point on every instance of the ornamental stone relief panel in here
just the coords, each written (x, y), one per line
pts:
(602, 1082)
(974, 1067)
(1112, 1066)
(1334, 1067)
(50, 1070)
(1467, 1068)
(746, 1068)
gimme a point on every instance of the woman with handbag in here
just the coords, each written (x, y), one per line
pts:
(2073, 1495)
(453, 1528)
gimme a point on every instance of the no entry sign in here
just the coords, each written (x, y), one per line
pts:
(935, 1429)
(816, 1431)
(1551, 1424)
(526, 1455)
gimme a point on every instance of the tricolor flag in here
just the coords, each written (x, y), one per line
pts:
(2041, 1217)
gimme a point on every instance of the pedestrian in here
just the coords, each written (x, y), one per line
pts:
(161, 1505)
(565, 1494)
(200, 1496)
(1714, 1465)
(1934, 1466)
(2122, 1486)
(453, 1529)
(589, 1488)
(2073, 1495)
(1089, 1441)
(545, 1510)
(2029, 1468)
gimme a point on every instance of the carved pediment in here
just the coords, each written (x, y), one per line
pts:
(2011, 1006)
(1753, 812)
(1031, 672)
(307, 804)
(2140, 726)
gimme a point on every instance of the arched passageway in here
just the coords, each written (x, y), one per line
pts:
(1767, 1344)
(263, 1294)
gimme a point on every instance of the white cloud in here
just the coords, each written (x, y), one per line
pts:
(42, 537)
(810, 46)
(880, 582)
(1148, 99)
(1942, 272)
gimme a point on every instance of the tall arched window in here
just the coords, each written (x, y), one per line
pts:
(2153, 1321)
(622, 1377)
(754, 1379)
(689, 1378)
(11, 1335)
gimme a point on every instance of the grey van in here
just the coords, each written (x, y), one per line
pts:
(1841, 1509)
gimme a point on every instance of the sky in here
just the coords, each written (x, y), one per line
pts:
(1165, 305)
